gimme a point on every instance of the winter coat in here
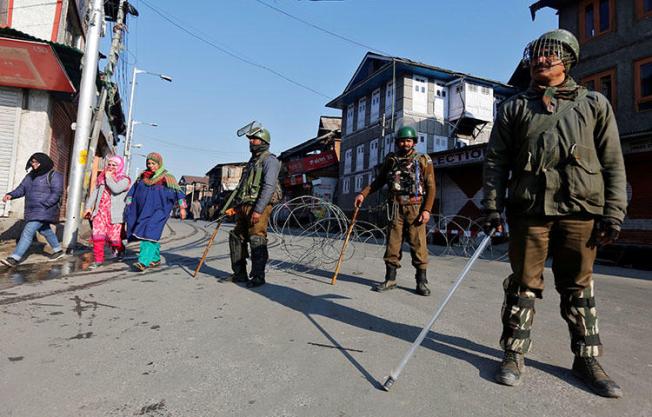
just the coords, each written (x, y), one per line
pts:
(117, 190)
(42, 196)
(562, 163)
(148, 209)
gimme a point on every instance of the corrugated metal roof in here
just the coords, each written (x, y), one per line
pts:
(190, 179)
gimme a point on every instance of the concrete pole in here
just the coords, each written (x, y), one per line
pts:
(130, 121)
(83, 125)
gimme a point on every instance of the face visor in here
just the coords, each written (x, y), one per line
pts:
(548, 52)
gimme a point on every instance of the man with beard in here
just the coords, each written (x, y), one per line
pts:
(251, 203)
(411, 180)
(560, 144)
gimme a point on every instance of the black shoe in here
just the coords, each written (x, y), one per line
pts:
(239, 278)
(255, 282)
(9, 261)
(590, 371)
(385, 286)
(511, 369)
(56, 255)
(422, 288)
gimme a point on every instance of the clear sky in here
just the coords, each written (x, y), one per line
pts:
(213, 94)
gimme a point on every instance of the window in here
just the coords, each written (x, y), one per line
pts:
(643, 8)
(643, 86)
(389, 97)
(373, 153)
(358, 183)
(389, 145)
(345, 186)
(348, 156)
(359, 158)
(441, 143)
(371, 177)
(375, 106)
(603, 82)
(420, 94)
(422, 143)
(596, 18)
(349, 119)
(362, 108)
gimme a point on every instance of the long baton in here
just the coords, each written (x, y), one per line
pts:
(346, 241)
(208, 246)
(393, 376)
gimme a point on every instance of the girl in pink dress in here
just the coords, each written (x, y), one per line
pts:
(105, 207)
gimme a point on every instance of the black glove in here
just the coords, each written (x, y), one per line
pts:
(605, 231)
(491, 221)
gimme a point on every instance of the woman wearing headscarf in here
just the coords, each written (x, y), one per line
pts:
(42, 188)
(149, 203)
(105, 207)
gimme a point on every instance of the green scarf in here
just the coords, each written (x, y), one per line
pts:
(566, 91)
(161, 174)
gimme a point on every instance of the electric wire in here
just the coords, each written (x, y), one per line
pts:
(234, 55)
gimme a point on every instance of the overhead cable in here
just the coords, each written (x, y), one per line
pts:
(233, 54)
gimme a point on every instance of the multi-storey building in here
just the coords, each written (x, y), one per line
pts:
(616, 59)
(448, 109)
(40, 69)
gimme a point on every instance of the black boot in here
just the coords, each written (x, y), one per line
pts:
(238, 250)
(390, 279)
(422, 288)
(511, 369)
(589, 370)
(259, 256)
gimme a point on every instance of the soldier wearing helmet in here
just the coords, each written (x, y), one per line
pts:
(555, 164)
(411, 181)
(251, 203)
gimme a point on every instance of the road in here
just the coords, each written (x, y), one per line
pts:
(120, 343)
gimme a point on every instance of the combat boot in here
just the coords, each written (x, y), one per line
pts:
(588, 369)
(511, 369)
(238, 251)
(422, 288)
(390, 279)
(259, 256)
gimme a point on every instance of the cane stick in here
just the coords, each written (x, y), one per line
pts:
(346, 241)
(208, 246)
(393, 376)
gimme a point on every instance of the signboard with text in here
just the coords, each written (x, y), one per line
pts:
(462, 156)
(312, 162)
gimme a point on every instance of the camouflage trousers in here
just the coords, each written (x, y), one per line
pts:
(565, 239)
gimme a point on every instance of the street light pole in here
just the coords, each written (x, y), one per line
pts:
(83, 124)
(130, 121)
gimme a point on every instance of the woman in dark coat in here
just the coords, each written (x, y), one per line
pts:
(42, 188)
(149, 203)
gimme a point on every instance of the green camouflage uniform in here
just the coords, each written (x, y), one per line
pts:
(566, 169)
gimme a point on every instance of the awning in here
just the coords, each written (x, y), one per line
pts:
(35, 65)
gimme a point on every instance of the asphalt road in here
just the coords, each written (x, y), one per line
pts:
(120, 343)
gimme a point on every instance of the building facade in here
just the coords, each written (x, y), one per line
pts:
(448, 109)
(616, 59)
(224, 179)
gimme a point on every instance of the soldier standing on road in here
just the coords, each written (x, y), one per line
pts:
(566, 196)
(252, 203)
(411, 180)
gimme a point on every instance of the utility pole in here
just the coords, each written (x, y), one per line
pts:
(83, 124)
(108, 74)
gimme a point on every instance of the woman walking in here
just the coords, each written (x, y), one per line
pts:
(42, 188)
(149, 203)
(105, 207)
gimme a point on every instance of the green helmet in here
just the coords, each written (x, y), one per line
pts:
(262, 134)
(406, 132)
(559, 42)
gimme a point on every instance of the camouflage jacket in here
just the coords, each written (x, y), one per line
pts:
(563, 163)
(425, 187)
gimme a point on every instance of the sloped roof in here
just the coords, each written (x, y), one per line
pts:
(190, 179)
(330, 122)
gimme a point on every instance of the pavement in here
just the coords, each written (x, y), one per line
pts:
(114, 342)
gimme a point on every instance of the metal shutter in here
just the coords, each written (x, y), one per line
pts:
(61, 146)
(9, 112)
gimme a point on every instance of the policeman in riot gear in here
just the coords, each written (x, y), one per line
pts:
(251, 203)
(410, 178)
(556, 148)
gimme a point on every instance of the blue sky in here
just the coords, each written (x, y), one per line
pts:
(214, 94)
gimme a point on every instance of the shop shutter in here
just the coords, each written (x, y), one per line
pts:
(61, 146)
(9, 113)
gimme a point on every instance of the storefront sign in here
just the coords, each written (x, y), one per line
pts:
(459, 157)
(26, 64)
(312, 162)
